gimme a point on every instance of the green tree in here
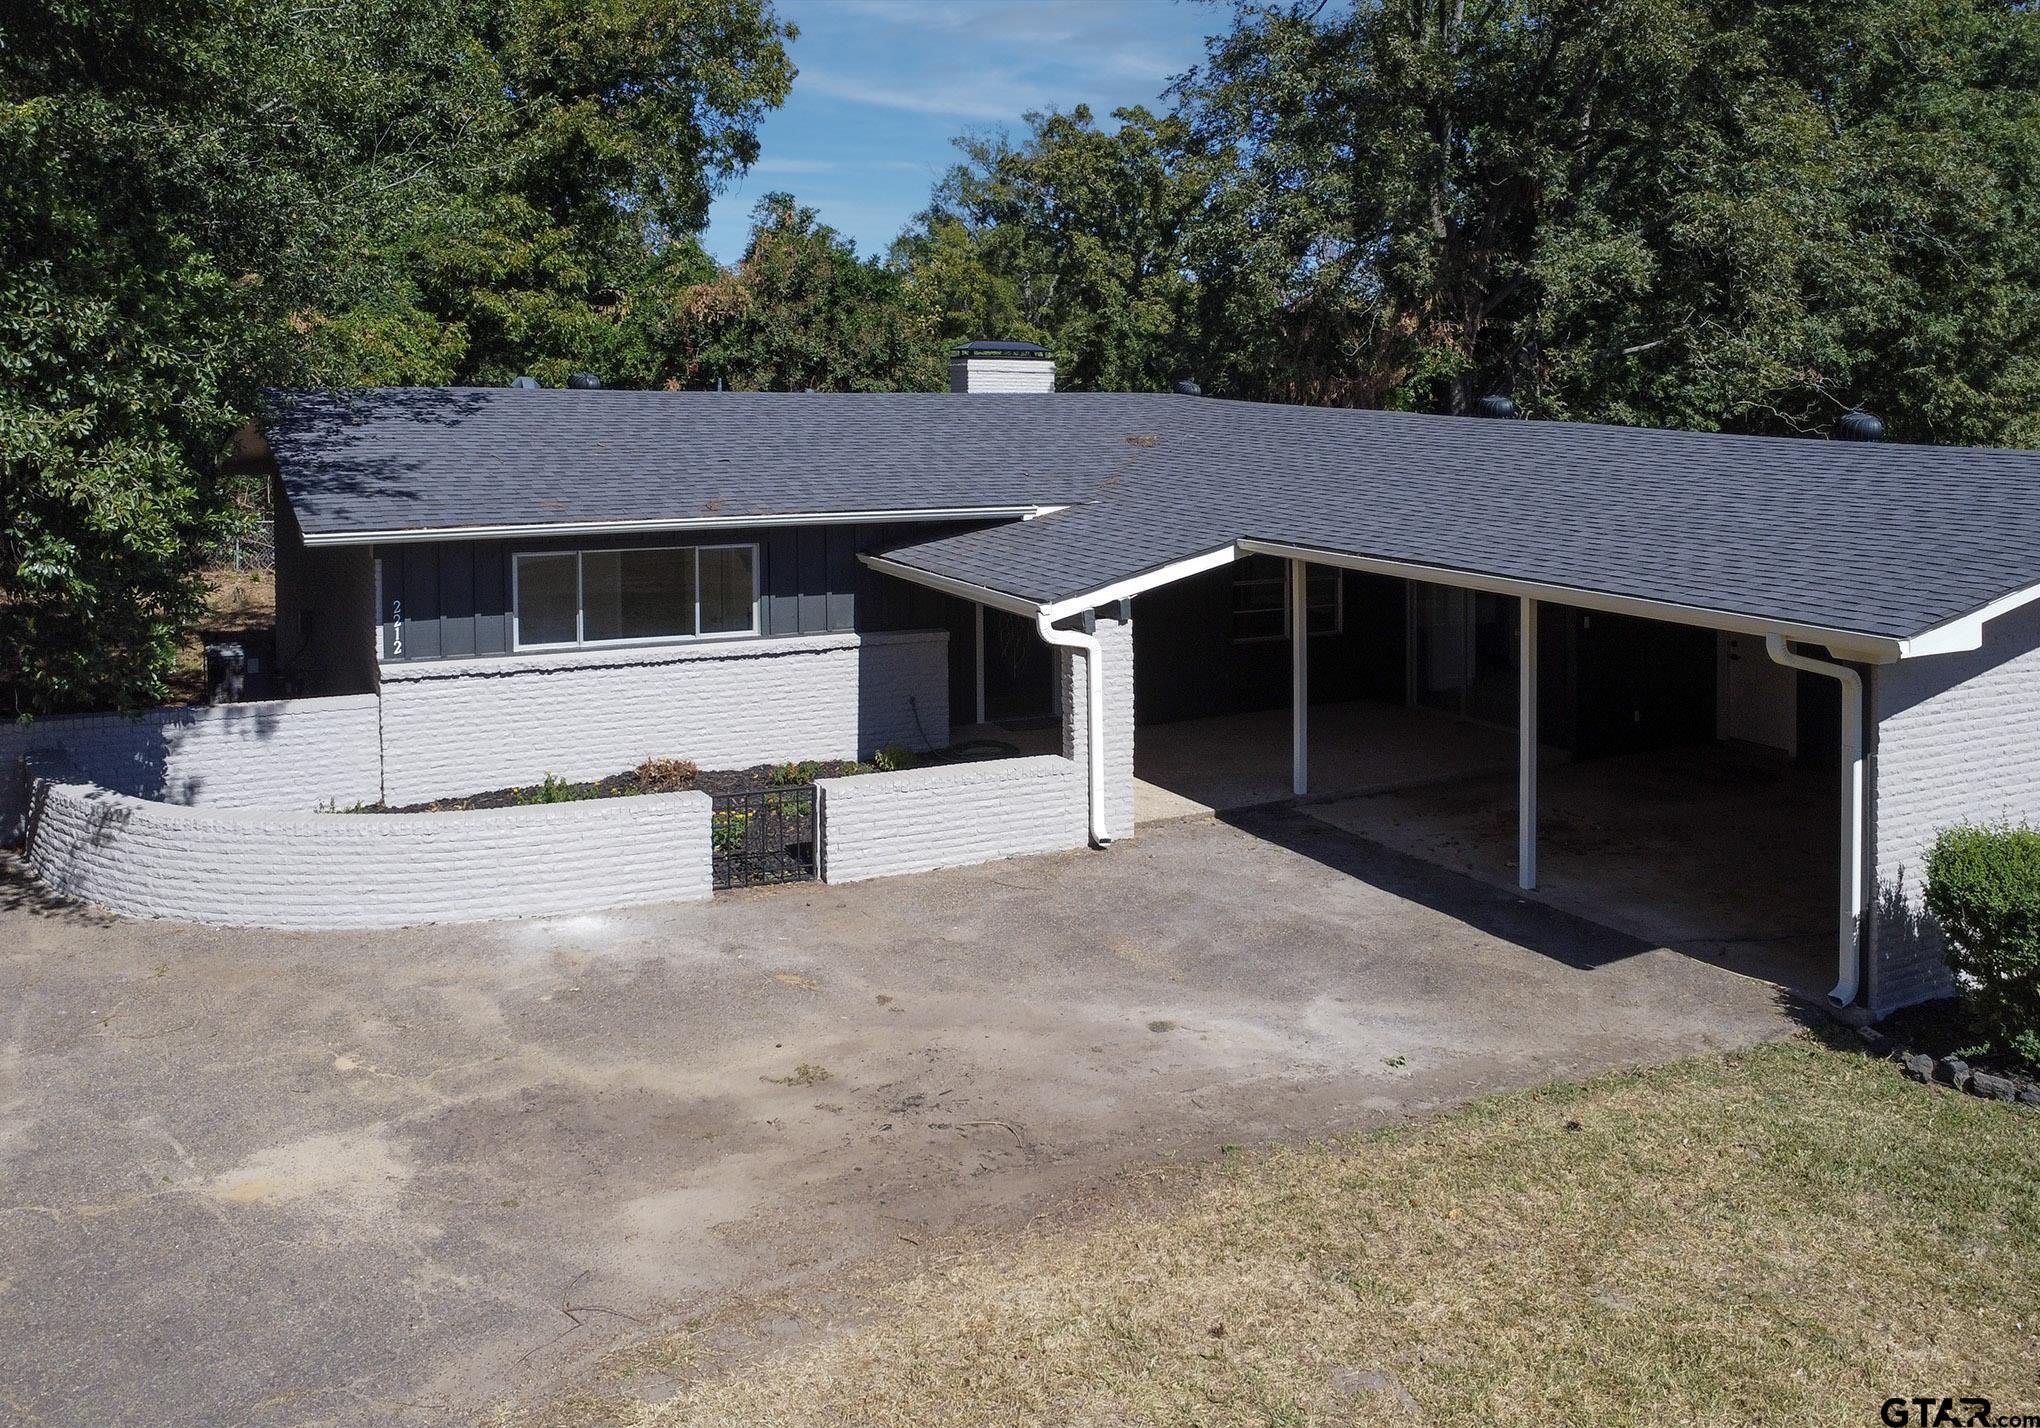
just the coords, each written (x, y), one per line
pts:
(802, 311)
(198, 197)
(1698, 213)
(1074, 236)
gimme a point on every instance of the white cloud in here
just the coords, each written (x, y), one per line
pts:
(771, 165)
(986, 94)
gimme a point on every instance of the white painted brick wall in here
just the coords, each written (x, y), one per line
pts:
(1957, 741)
(455, 727)
(950, 816)
(281, 753)
(1115, 638)
(335, 870)
(878, 825)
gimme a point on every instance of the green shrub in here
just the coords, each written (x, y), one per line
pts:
(554, 790)
(892, 758)
(1983, 887)
(726, 831)
(806, 771)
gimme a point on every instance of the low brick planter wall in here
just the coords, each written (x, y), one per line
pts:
(949, 816)
(270, 868)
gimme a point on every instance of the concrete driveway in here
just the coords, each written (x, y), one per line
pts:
(266, 1178)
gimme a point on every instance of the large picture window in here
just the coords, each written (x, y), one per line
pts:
(1260, 606)
(606, 597)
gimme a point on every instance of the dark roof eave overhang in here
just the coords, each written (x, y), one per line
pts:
(717, 521)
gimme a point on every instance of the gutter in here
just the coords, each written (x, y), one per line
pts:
(1094, 709)
(1851, 920)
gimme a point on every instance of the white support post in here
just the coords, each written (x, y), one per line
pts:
(1526, 751)
(981, 664)
(1299, 677)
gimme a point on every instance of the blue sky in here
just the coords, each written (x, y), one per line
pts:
(884, 85)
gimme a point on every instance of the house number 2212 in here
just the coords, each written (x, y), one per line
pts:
(396, 627)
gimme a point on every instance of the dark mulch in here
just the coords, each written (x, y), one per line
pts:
(1945, 1028)
(756, 779)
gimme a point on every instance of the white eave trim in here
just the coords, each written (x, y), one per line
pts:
(690, 523)
(1139, 584)
(1846, 644)
(1058, 609)
(1965, 632)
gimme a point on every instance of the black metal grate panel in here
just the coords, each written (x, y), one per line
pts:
(764, 837)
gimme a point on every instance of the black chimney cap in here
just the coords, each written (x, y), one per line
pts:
(1495, 405)
(1000, 349)
(525, 384)
(1859, 426)
(583, 382)
(1188, 388)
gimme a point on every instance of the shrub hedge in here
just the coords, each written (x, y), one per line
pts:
(1983, 887)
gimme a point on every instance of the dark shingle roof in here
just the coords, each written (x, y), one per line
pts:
(412, 459)
(1885, 540)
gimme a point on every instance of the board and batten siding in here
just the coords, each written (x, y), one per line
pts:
(454, 597)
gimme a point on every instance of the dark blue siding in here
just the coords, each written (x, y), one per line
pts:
(456, 595)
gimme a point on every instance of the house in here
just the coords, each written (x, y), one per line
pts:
(526, 581)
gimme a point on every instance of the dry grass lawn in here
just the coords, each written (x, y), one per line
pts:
(1794, 1233)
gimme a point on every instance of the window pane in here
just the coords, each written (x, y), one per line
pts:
(726, 590)
(545, 599)
(637, 594)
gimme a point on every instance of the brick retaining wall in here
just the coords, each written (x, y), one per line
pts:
(336, 870)
(948, 816)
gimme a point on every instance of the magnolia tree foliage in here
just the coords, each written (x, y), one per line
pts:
(200, 197)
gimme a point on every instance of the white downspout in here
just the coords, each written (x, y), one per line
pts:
(1094, 714)
(1852, 921)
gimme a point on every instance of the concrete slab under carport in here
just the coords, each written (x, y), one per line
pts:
(1233, 761)
(1722, 852)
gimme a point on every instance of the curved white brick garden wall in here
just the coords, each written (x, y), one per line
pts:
(453, 727)
(268, 868)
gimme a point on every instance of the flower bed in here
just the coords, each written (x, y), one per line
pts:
(677, 775)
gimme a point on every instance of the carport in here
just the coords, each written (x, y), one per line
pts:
(1766, 561)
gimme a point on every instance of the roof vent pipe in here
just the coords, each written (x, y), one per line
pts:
(583, 382)
(1495, 405)
(1858, 426)
(1188, 388)
(525, 384)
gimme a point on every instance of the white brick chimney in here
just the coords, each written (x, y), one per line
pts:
(1001, 367)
